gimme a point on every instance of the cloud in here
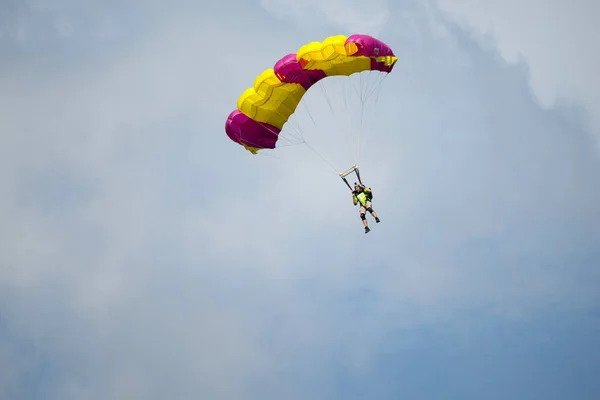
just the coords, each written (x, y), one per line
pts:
(144, 255)
(349, 15)
(555, 39)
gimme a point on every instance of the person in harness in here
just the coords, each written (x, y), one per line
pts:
(364, 195)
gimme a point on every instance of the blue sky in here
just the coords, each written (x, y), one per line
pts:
(144, 255)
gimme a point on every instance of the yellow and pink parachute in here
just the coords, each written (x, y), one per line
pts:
(263, 110)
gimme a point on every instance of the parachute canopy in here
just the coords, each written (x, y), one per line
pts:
(263, 110)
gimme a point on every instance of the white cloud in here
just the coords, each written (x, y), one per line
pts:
(352, 16)
(557, 39)
(144, 255)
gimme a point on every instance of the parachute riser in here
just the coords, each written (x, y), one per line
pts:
(344, 179)
(352, 169)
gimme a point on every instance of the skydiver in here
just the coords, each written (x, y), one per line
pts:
(364, 195)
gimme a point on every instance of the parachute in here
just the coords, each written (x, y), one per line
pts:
(264, 109)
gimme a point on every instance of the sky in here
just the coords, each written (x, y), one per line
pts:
(144, 255)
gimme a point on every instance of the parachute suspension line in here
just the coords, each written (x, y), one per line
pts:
(357, 134)
(376, 89)
(360, 86)
(385, 76)
(372, 89)
(354, 87)
(296, 132)
(344, 118)
(344, 93)
(321, 157)
(364, 93)
(360, 132)
(361, 127)
(326, 96)
(298, 128)
(351, 112)
(298, 137)
(308, 112)
(364, 83)
(304, 141)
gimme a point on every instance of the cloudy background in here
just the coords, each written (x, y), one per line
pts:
(143, 255)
